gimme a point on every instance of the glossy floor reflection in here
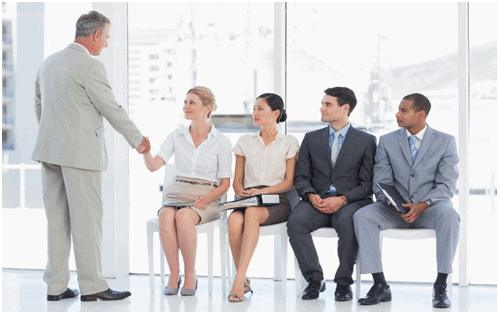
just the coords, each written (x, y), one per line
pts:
(25, 291)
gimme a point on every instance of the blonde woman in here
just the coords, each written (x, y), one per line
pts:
(202, 175)
(265, 164)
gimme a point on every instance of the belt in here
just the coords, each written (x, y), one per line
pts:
(193, 182)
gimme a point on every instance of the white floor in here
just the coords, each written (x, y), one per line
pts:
(25, 291)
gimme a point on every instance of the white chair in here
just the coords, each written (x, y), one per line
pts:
(279, 231)
(209, 229)
(411, 234)
(327, 232)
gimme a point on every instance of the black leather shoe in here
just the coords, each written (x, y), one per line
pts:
(343, 293)
(65, 295)
(376, 294)
(440, 298)
(313, 289)
(108, 295)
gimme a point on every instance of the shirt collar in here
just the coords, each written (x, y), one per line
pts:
(213, 132)
(419, 135)
(343, 131)
(279, 135)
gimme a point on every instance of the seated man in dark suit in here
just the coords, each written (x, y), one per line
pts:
(333, 177)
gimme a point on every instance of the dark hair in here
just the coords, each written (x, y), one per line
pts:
(90, 22)
(275, 102)
(344, 95)
(419, 102)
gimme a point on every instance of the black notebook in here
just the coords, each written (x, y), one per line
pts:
(394, 197)
(257, 200)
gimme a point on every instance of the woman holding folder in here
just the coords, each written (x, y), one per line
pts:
(265, 164)
(203, 163)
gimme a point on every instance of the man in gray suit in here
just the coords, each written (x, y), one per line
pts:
(421, 163)
(72, 95)
(334, 179)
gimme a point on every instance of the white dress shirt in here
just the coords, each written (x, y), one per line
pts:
(211, 161)
(265, 165)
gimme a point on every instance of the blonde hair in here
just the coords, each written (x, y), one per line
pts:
(206, 95)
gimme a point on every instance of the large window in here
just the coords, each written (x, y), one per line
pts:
(382, 51)
(192, 44)
(483, 143)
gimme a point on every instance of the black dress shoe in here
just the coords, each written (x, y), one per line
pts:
(65, 295)
(440, 298)
(108, 295)
(377, 294)
(313, 289)
(343, 293)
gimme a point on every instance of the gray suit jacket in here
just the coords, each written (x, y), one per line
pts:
(72, 95)
(352, 174)
(433, 175)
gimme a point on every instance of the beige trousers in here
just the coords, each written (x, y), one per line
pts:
(73, 205)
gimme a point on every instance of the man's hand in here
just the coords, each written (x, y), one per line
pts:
(145, 146)
(329, 205)
(315, 200)
(414, 211)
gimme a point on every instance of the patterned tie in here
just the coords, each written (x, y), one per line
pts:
(334, 147)
(412, 145)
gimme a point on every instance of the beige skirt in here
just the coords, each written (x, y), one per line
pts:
(185, 191)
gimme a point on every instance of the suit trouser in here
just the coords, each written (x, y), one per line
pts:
(73, 206)
(370, 220)
(305, 219)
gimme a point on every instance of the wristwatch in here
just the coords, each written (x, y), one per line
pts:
(345, 201)
(428, 202)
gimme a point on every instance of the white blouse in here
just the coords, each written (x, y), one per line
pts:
(211, 161)
(265, 165)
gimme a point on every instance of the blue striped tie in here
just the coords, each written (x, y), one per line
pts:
(412, 144)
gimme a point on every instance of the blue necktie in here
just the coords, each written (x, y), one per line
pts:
(412, 144)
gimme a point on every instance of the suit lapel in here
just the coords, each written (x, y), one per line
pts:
(404, 145)
(425, 144)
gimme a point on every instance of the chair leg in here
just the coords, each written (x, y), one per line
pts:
(298, 278)
(223, 256)
(284, 262)
(150, 254)
(210, 237)
(357, 278)
(277, 257)
(449, 284)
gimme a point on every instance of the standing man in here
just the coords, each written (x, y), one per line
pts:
(72, 95)
(422, 165)
(333, 177)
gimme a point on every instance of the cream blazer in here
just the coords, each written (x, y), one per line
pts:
(72, 96)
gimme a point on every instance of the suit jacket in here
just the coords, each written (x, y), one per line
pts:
(72, 95)
(433, 175)
(353, 172)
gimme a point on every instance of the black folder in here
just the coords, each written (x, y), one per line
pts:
(394, 197)
(257, 200)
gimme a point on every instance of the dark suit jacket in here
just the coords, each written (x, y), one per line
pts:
(353, 172)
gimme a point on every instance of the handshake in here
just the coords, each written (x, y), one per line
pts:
(145, 146)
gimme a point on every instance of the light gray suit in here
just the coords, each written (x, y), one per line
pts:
(72, 96)
(432, 176)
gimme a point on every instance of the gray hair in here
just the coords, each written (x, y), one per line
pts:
(90, 22)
